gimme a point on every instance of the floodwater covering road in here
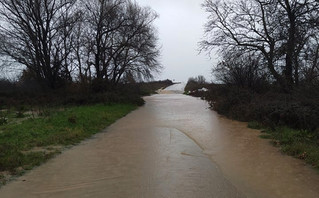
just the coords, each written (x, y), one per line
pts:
(174, 146)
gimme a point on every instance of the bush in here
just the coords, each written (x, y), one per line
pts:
(230, 101)
(27, 93)
(271, 108)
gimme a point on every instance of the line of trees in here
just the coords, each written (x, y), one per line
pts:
(101, 42)
(273, 40)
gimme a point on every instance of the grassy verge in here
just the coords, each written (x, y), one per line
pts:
(301, 144)
(35, 139)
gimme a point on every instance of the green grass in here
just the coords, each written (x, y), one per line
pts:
(301, 144)
(255, 125)
(58, 128)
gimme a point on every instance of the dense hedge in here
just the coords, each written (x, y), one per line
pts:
(298, 109)
(13, 94)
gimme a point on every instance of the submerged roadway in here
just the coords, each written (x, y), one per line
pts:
(174, 146)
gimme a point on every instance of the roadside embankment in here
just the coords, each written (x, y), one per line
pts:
(40, 134)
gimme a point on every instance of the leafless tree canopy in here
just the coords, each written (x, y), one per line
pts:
(124, 41)
(246, 70)
(61, 41)
(35, 35)
(284, 32)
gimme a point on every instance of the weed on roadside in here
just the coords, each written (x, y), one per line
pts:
(301, 144)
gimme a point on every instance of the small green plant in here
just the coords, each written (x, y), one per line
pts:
(3, 120)
(20, 112)
(3, 180)
(72, 119)
(255, 125)
(265, 136)
(3, 117)
(44, 112)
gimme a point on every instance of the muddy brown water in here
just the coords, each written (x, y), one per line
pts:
(174, 146)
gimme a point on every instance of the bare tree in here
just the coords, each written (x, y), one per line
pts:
(310, 61)
(123, 40)
(137, 50)
(66, 38)
(279, 30)
(62, 40)
(82, 52)
(242, 69)
(103, 18)
(37, 35)
(297, 17)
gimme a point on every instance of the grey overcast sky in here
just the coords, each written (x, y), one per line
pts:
(180, 27)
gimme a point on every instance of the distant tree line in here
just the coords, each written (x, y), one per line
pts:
(273, 41)
(195, 83)
(96, 42)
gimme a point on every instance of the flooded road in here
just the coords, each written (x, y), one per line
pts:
(174, 146)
